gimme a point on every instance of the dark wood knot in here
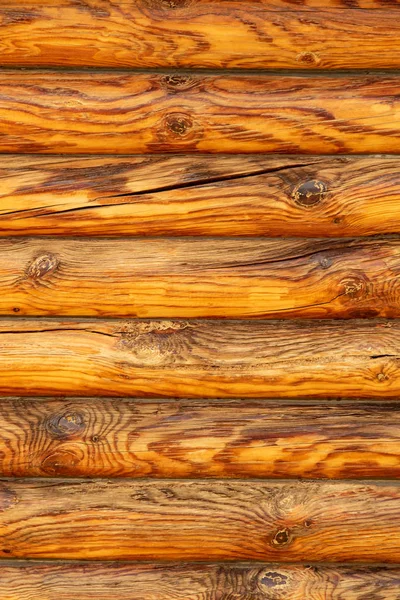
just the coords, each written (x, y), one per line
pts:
(353, 287)
(178, 125)
(176, 83)
(163, 6)
(174, 4)
(273, 579)
(308, 58)
(325, 262)
(282, 538)
(61, 461)
(43, 265)
(65, 426)
(310, 193)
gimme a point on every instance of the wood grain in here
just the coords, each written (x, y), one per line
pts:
(21, 580)
(265, 34)
(198, 359)
(197, 520)
(153, 195)
(115, 438)
(121, 113)
(195, 277)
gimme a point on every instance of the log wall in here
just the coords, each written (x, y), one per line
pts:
(233, 34)
(102, 112)
(201, 195)
(116, 437)
(199, 299)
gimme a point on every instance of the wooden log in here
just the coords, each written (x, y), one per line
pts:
(195, 277)
(197, 520)
(21, 580)
(113, 438)
(261, 34)
(198, 359)
(46, 112)
(203, 195)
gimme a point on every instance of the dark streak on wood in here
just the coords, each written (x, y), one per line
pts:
(201, 195)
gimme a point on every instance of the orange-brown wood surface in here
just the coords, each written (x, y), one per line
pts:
(200, 300)
(200, 359)
(200, 277)
(231, 439)
(20, 580)
(121, 113)
(331, 34)
(197, 520)
(152, 195)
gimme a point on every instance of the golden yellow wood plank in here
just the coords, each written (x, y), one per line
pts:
(200, 277)
(197, 520)
(188, 438)
(121, 113)
(264, 34)
(21, 580)
(220, 195)
(200, 358)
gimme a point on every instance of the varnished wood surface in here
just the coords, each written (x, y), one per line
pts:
(116, 438)
(20, 580)
(303, 196)
(121, 113)
(182, 479)
(198, 359)
(334, 34)
(197, 520)
(200, 277)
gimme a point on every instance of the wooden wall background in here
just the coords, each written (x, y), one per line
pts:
(199, 299)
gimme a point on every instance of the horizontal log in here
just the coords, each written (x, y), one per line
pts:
(57, 581)
(331, 34)
(197, 520)
(200, 359)
(45, 112)
(220, 195)
(113, 438)
(197, 277)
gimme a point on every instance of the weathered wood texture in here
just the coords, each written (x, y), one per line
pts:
(197, 520)
(203, 33)
(121, 113)
(200, 359)
(115, 438)
(200, 195)
(196, 277)
(41, 581)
